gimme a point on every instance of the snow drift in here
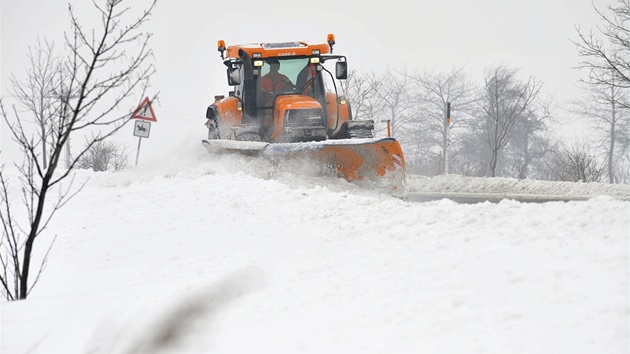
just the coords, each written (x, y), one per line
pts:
(230, 255)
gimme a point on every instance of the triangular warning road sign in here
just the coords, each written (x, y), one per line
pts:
(145, 111)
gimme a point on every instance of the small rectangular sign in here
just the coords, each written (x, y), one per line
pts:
(141, 128)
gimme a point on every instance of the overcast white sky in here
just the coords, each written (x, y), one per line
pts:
(533, 35)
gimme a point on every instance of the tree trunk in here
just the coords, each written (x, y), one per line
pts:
(493, 164)
(611, 151)
(28, 248)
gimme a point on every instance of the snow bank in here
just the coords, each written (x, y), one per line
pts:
(457, 184)
(198, 254)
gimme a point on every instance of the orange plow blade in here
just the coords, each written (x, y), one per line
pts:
(371, 161)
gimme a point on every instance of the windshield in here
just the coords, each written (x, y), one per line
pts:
(290, 68)
(287, 76)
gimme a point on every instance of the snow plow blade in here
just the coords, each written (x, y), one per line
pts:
(378, 162)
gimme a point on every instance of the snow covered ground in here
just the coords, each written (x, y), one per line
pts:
(200, 254)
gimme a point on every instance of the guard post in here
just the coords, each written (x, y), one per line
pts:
(447, 135)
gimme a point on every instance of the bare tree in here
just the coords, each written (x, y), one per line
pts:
(109, 66)
(530, 138)
(608, 49)
(622, 163)
(606, 58)
(578, 164)
(37, 93)
(609, 119)
(103, 156)
(394, 98)
(504, 101)
(433, 92)
(361, 90)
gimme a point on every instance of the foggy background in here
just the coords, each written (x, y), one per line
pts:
(533, 36)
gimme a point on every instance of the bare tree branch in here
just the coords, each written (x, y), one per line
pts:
(107, 64)
(608, 49)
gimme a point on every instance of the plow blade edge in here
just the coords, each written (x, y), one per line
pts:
(378, 161)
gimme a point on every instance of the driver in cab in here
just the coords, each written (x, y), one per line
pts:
(274, 81)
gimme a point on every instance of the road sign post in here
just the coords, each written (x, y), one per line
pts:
(141, 128)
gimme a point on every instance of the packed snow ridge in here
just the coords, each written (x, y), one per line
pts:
(511, 187)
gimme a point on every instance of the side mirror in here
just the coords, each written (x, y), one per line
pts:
(234, 76)
(341, 70)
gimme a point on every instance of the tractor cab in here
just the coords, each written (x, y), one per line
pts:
(281, 91)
